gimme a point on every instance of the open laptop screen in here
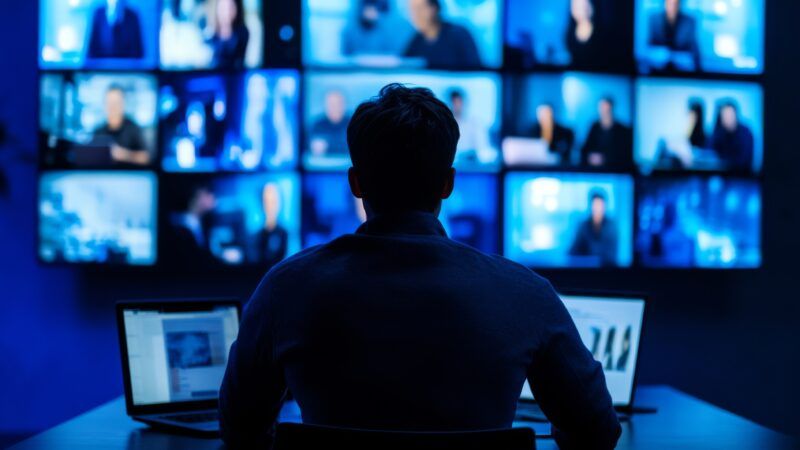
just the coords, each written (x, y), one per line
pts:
(610, 327)
(178, 356)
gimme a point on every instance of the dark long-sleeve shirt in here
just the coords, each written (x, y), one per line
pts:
(454, 48)
(397, 327)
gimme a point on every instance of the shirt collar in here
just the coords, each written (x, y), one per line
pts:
(408, 222)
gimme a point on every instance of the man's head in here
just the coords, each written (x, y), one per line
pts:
(544, 114)
(402, 144)
(115, 106)
(729, 115)
(605, 109)
(672, 8)
(335, 106)
(425, 14)
(581, 10)
(271, 202)
(202, 201)
(597, 202)
(456, 97)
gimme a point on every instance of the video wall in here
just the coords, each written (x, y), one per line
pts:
(594, 133)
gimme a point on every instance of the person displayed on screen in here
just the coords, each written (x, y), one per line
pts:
(188, 236)
(372, 32)
(474, 143)
(696, 124)
(231, 36)
(732, 141)
(609, 143)
(328, 134)
(115, 32)
(382, 328)
(272, 239)
(585, 40)
(675, 31)
(597, 235)
(443, 45)
(559, 138)
(121, 133)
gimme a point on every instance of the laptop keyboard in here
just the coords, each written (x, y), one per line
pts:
(206, 416)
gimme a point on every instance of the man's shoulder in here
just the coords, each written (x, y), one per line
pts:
(499, 266)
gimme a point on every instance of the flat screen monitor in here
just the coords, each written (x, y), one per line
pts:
(579, 34)
(391, 34)
(569, 219)
(221, 34)
(711, 222)
(247, 121)
(231, 220)
(692, 125)
(331, 98)
(98, 119)
(98, 217)
(98, 34)
(574, 119)
(722, 36)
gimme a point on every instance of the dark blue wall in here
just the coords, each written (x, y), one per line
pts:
(730, 338)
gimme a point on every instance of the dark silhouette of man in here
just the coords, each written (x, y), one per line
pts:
(397, 327)
(676, 31)
(609, 143)
(597, 235)
(115, 32)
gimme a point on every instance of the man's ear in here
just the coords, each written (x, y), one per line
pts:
(355, 186)
(449, 184)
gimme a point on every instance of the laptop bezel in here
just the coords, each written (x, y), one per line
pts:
(620, 295)
(167, 305)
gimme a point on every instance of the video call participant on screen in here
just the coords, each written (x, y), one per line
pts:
(586, 42)
(273, 239)
(398, 327)
(474, 143)
(188, 238)
(732, 141)
(676, 31)
(373, 31)
(115, 32)
(230, 38)
(559, 138)
(679, 154)
(123, 135)
(328, 134)
(442, 44)
(609, 143)
(597, 235)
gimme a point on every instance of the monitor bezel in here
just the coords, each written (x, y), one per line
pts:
(166, 305)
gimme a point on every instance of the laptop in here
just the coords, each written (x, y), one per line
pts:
(519, 151)
(611, 328)
(174, 355)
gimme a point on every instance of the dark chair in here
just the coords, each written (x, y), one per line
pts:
(295, 436)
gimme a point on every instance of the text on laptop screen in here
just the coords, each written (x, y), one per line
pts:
(178, 356)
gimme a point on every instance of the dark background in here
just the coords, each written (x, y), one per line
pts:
(731, 338)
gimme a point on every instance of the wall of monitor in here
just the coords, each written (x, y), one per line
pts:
(212, 133)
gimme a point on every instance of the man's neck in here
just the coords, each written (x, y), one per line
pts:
(433, 31)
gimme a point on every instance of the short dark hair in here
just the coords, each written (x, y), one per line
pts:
(608, 99)
(402, 144)
(115, 87)
(597, 194)
(455, 93)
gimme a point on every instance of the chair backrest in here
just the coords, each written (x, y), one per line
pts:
(295, 436)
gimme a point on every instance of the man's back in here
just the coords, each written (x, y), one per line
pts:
(398, 327)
